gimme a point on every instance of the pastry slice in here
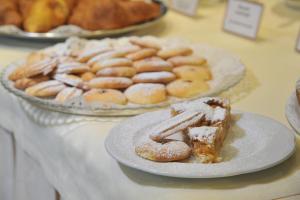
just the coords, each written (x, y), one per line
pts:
(206, 142)
(45, 89)
(175, 124)
(67, 94)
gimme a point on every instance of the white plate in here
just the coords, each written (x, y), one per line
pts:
(292, 112)
(254, 143)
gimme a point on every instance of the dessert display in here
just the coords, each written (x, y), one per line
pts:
(194, 129)
(138, 71)
(44, 15)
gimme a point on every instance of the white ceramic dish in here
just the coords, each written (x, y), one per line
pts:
(292, 112)
(254, 143)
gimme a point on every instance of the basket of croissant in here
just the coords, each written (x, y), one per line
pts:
(60, 19)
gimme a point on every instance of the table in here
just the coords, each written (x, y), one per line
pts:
(63, 155)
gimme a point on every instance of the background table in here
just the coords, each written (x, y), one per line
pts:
(273, 67)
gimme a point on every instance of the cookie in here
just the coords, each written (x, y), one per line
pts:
(163, 152)
(67, 94)
(43, 67)
(68, 79)
(154, 77)
(193, 73)
(87, 76)
(153, 64)
(146, 93)
(110, 83)
(186, 88)
(174, 51)
(72, 68)
(105, 96)
(24, 83)
(113, 62)
(45, 89)
(186, 60)
(86, 54)
(142, 54)
(117, 71)
(106, 55)
(145, 43)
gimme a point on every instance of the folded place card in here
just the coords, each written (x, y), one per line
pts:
(298, 43)
(243, 18)
(187, 7)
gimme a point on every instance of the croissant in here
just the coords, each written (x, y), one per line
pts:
(9, 13)
(44, 15)
(112, 14)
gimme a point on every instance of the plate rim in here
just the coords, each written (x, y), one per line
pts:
(153, 172)
(290, 100)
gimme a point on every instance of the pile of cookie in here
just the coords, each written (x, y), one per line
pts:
(195, 129)
(140, 71)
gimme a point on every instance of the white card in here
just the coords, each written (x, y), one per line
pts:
(243, 18)
(298, 43)
(188, 7)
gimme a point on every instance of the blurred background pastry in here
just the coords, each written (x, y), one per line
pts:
(9, 13)
(44, 15)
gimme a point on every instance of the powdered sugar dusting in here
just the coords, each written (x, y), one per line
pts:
(204, 133)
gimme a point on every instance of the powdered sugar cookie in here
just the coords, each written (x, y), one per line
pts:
(145, 43)
(24, 83)
(186, 60)
(163, 152)
(174, 51)
(87, 76)
(68, 79)
(193, 73)
(72, 68)
(67, 94)
(154, 77)
(141, 54)
(117, 71)
(105, 96)
(113, 62)
(110, 83)
(88, 53)
(186, 88)
(45, 89)
(153, 64)
(146, 93)
(106, 55)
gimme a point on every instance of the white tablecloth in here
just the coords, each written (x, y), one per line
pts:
(73, 158)
(75, 162)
